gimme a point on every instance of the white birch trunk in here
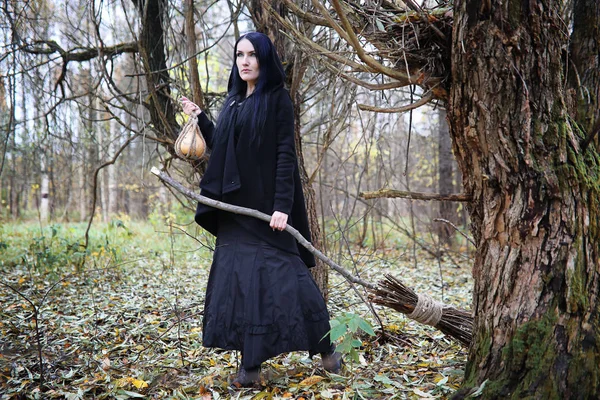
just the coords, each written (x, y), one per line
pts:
(82, 183)
(45, 196)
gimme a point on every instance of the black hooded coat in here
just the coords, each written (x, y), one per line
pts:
(261, 176)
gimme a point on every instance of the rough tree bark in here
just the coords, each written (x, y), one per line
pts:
(535, 211)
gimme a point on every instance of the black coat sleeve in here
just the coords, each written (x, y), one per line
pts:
(207, 128)
(286, 154)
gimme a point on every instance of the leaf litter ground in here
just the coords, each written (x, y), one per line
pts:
(127, 324)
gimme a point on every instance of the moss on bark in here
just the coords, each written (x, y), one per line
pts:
(536, 366)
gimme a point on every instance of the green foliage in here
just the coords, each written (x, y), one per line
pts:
(45, 251)
(345, 329)
(56, 249)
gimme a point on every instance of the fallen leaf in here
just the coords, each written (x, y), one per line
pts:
(138, 383)
(311, 380)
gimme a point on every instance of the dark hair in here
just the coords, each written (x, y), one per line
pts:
(270, 77)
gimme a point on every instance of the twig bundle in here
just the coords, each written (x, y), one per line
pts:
(417, 38)
(392, 293)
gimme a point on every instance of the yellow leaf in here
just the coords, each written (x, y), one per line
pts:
(122, 382)
(311, 380)
(138, 383)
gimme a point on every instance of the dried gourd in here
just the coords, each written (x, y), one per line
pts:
(190, 144)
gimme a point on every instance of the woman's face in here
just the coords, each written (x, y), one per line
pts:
(247, 61)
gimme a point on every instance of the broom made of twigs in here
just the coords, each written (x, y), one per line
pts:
(390, 292)
(452, 321)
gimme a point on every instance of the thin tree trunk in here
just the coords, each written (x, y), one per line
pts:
(163, 196)
(190, 31)
(53, 196)
(102, 189)
(45, 195)
(14, 190)
(81, 171)
(112, 171)
(535, 213)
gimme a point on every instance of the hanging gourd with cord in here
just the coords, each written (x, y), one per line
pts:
(190, 144)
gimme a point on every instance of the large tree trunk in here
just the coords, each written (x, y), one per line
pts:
(535, 210)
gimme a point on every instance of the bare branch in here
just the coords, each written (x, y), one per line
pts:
(309, 17)
(591, 136)
(79, 54)
(456, 229)
(398, 34)
(95, 184)
(391, 193)
(370, 61)
(423, 100)
(314, 46)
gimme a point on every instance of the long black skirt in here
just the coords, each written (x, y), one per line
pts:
(261, 300)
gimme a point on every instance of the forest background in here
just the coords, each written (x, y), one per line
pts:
(103, 268)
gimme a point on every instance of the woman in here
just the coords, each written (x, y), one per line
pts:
(260, 296)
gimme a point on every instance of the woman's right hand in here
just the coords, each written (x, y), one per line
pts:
(189, 107)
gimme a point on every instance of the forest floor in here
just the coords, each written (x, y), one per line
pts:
(123, 320)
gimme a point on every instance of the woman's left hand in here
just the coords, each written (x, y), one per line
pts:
(279, 220)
